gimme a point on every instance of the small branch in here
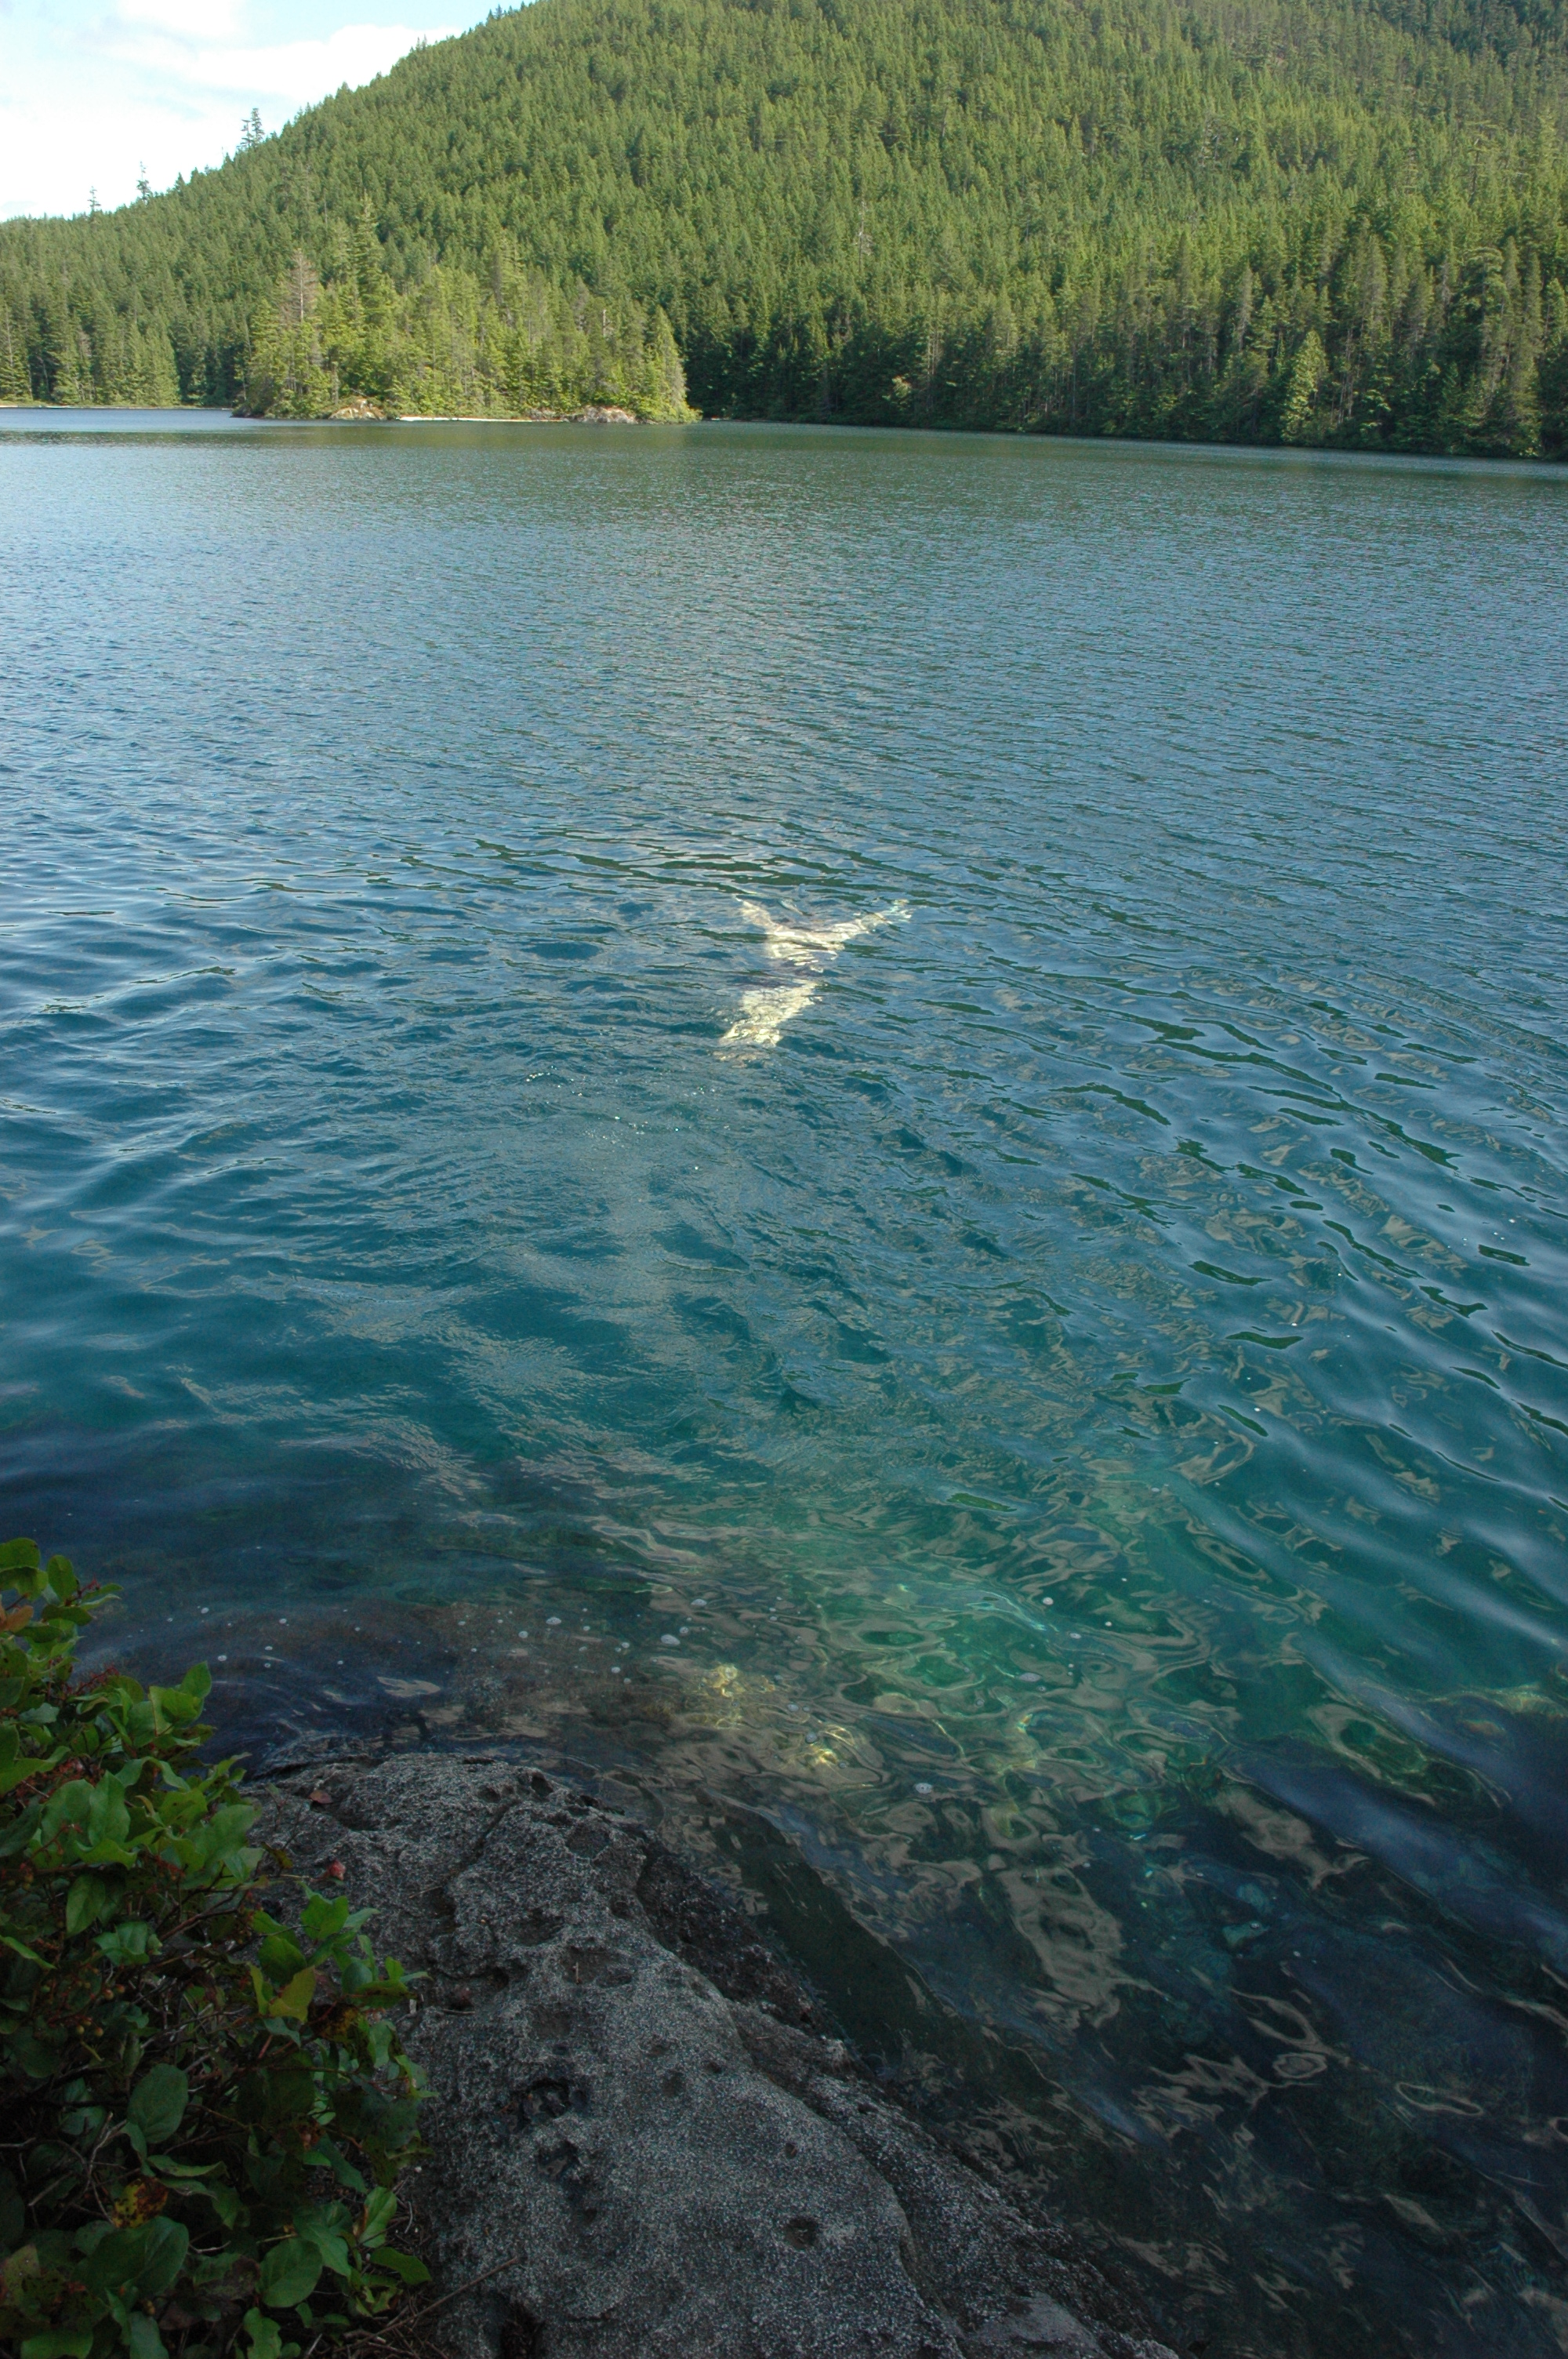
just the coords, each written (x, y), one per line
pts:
(442, 2300)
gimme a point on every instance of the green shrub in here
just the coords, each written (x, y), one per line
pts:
(202, 2112)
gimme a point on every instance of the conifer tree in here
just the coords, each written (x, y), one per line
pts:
(14, 384)
(1307, 372)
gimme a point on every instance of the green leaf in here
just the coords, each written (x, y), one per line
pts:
(324, 2233)
(61, 1577)
(33, 2055)
(85, 1902)
(128, 1944)
(15, 2273)
(19, 1556)
(265, 2341)
(293, 2000)
(108, 1819)
(59, 2342)
(157, 2103)
(142, 2334)
(289, 2274)
(280, 1957)
(378, 2212)
(29, 1765)
(323, 1918)
(69, 1807)
(167, 2244)
(225, 2201)
(325, 2155)
(116, 2262)
(20, 1832)
(174, 1707)
(406, 2265)
(209, 1844)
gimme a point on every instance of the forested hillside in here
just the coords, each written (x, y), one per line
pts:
(1314, 221)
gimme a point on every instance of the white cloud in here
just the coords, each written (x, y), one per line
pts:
(86, 100)
(195, 21)
(291, 75)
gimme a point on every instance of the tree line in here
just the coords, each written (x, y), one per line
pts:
(1322, 222)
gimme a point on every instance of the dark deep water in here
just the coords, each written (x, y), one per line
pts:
(1063, 1412)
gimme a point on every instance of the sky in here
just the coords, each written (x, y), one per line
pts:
(92, 91)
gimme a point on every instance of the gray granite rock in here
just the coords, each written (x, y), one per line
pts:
(641, 2145)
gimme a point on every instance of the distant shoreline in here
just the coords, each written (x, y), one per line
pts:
(592, 415)
(361, 412)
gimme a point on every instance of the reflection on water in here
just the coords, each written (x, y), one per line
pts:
(1052, 1441)
(804, 951)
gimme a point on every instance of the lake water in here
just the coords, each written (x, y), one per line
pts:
(871, 1128)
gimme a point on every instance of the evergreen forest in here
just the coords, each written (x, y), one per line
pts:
(1331, 223)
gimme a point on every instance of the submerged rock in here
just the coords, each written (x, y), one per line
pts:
(642, 2145)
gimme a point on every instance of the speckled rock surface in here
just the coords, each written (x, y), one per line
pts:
(641, 2145)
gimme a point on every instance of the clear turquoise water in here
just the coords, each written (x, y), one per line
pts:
(1089, 1397)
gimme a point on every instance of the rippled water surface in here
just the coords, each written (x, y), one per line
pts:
(873, 1127)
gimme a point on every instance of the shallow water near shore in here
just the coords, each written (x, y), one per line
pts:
(871, 1128)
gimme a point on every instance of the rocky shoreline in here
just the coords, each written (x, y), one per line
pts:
(644, 2144)
(360, 410)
